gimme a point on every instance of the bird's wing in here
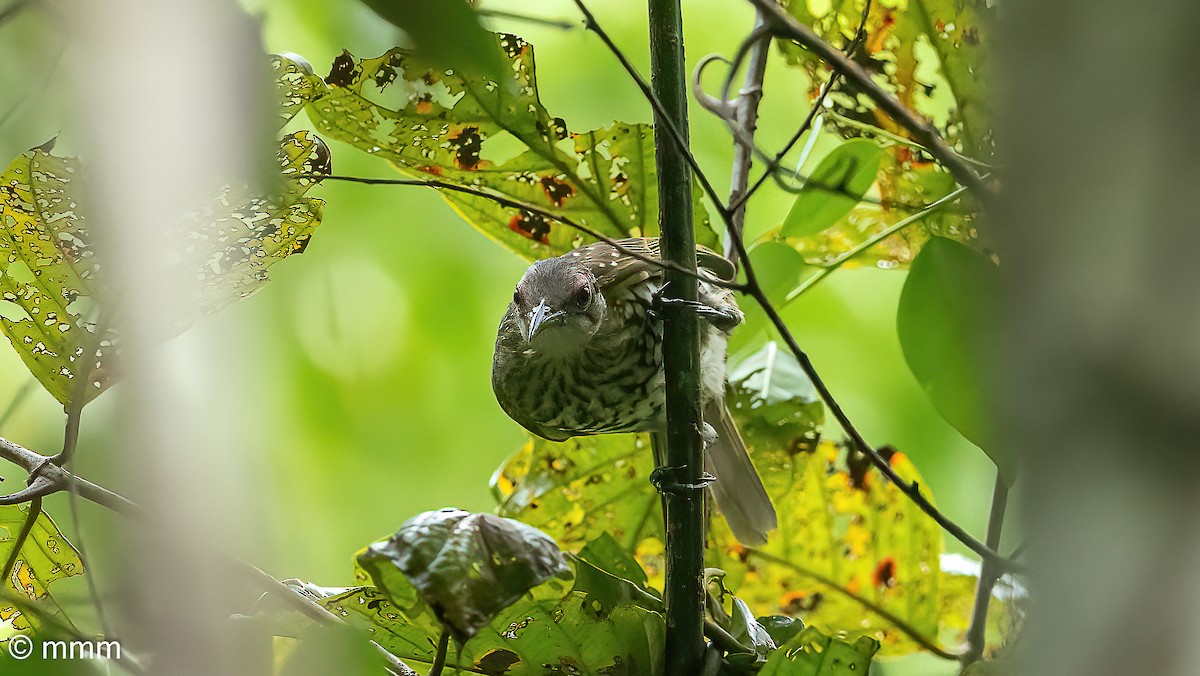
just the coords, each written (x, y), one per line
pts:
(612, 266)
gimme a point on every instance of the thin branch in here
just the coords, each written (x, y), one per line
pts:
(57, 478)
(987, 576)
(516, 204)
(872, 241)
(527, 18)
(35, 510)
(906, 628)
(787, 27)
(439, 658)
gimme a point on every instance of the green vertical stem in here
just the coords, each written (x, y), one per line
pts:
(988, 574)
(684, 509)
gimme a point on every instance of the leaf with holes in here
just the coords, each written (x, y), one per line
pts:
(467, 567)
(842, 528)
(45, 558)
(583, 488)
(49, 293)
(497, 137)
(812, 653)
(550, 629)
(931, 55)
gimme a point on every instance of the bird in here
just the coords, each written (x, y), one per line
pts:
(580, 352)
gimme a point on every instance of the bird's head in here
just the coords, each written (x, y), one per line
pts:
(558, 305)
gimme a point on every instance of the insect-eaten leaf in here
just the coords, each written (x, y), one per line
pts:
(496, 136)
(946, 315)
(812, 653)
(839, 183)
(45, 558)
(552, 629)
(609, 576)
(581, 489)
(51, 299)
(467, 567)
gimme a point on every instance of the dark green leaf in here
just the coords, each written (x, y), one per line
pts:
(947, 313)
(609, 575)
(838, 183)
(444, 32)
(812, 653)
(544, 632)
(467, 567)
(781, 627)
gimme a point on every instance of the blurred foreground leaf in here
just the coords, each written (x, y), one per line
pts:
(445, 33)
(496, 136)
(467, 567)
(947, 312)
(49, 298)
(46, 557)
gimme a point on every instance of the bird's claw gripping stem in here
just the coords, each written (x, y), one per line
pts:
(666, 480)
(717, 316)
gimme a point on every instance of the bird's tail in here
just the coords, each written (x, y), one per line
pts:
(738, 491)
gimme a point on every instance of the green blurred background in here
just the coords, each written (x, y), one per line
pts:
(369, 397)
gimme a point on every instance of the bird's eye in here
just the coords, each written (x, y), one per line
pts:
(517, 297)
(583, 296)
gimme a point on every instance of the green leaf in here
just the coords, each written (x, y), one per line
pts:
(781, 628)
(47, 274)
(544, 632)
(49, 293)
(46, 557)
(610, 577)
(812, 653)
(467, 567)
(838, 183)
(947, 312)
(497, 137)
(295, 85)
(444, 32)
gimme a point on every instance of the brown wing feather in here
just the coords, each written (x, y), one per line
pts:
(611, 266)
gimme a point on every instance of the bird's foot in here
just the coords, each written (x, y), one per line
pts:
(667, 480)
(722, 318)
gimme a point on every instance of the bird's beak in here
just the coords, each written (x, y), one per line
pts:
(538, 316)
